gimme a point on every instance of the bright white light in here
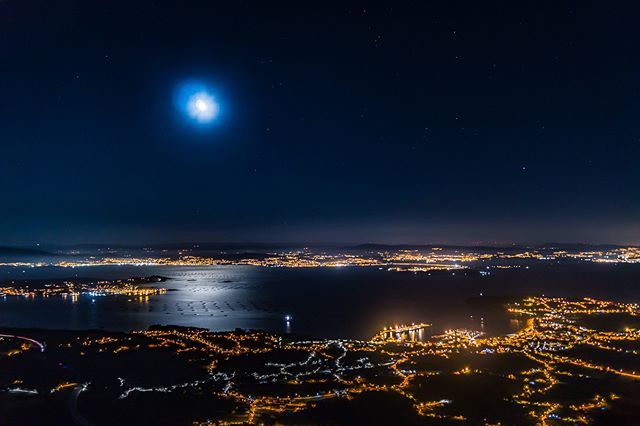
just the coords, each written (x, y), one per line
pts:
(195, 99)
(202, 107)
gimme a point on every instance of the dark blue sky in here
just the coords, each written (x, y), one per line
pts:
(453, 122)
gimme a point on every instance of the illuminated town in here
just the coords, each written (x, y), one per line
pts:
(74, 288)
(571, 362)
(400, 260)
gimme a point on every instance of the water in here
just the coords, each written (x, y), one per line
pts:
(322, 302)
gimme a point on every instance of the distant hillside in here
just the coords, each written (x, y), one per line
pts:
(21, 251)
(391, 247)
(581, 246)
(564, 246)
(181, 246)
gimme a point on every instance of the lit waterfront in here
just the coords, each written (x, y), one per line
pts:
(415, 260)
(424, 346)
(324, 302)
(253, 377)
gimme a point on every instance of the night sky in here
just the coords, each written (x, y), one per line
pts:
(416, 122)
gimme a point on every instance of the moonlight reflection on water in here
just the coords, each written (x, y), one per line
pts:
(321, 302)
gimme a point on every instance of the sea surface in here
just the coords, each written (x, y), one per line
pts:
(347, 302)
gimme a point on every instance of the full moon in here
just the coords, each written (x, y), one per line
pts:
(202, 107)
(197, 101)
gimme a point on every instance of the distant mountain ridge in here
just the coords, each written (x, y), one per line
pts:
(563, 246)
(23, 251)
(260, 247)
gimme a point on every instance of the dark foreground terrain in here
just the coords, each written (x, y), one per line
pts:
(575, 361)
